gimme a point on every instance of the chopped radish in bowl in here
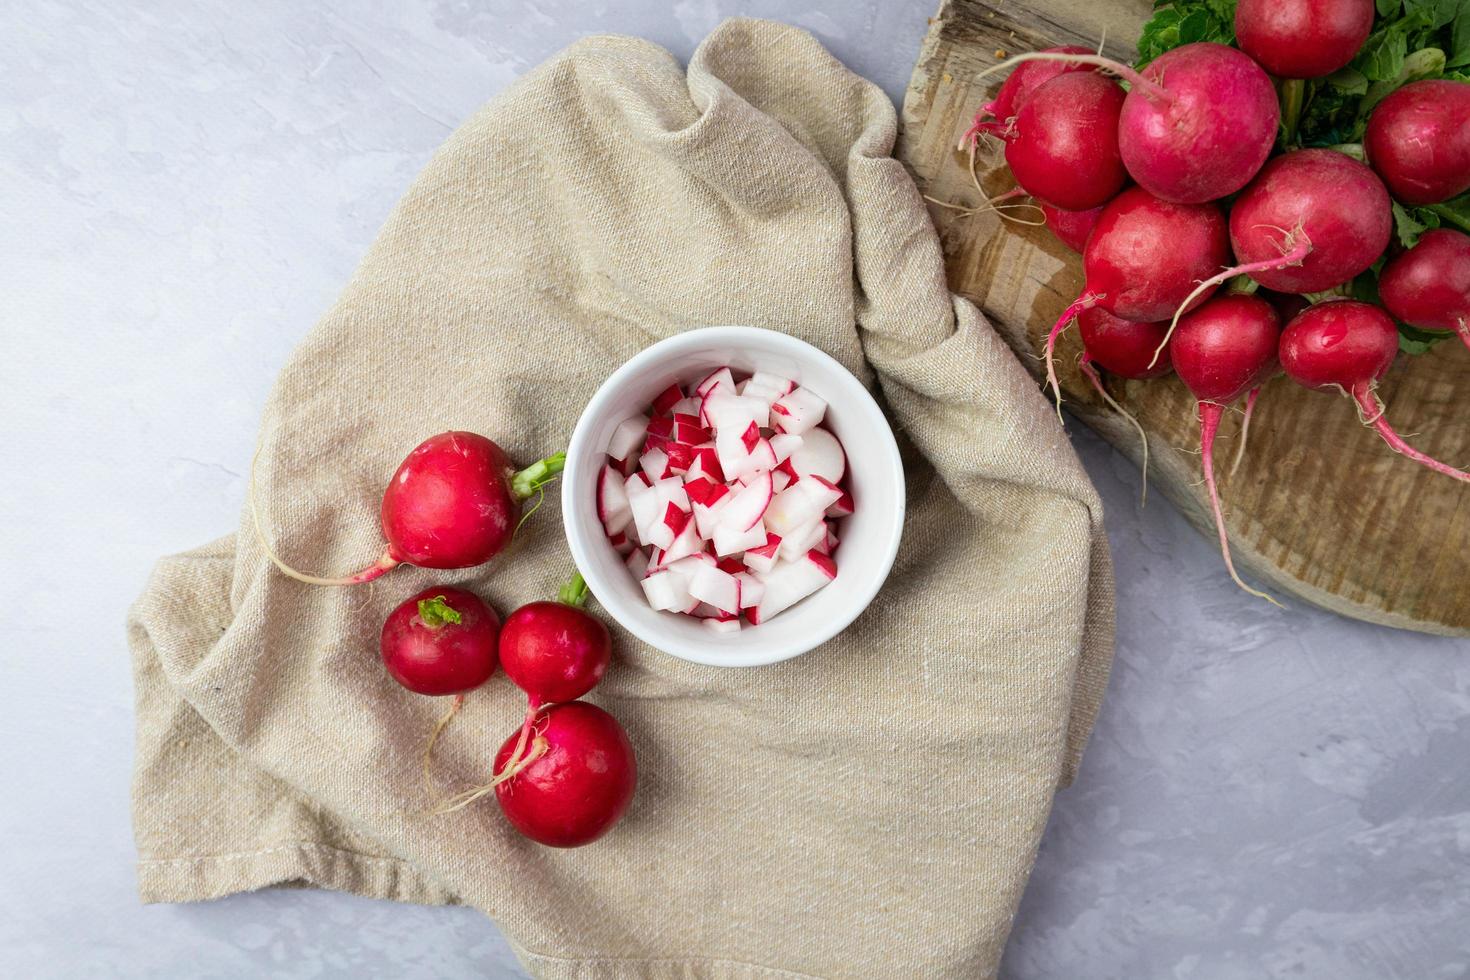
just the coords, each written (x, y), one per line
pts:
(724, 496)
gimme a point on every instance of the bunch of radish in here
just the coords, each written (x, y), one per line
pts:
(567, 774)
(1226, 161)
(725, 498)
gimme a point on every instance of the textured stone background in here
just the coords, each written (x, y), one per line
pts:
(185, 187)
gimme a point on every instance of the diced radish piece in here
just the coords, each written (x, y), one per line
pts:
(644, 505)
(687, 406)
(668, 527)
(732, 564)
(635, 482)
(690, 435)
(820, 453)
(671, 491)
(637, 562)
(667, 589)
(752, 589)
(626, 467)
(681, 457)
(667, 399)
(621, 544)
(655, 559)
(687, 544)
(655, 463)
(627, 437)
(762, 558)
(722, 410)
(661, 426)
(748, 506)
(699, 489)
(790, 582)
(718, 380)
(722, 625)
(801, 504)
(766, 387)
(843, 507)
(612, 501)
(783, 445)
(797, 412)
(707, 516)
(719, 589)
(729, 540)
(780, 480)
(802, 540)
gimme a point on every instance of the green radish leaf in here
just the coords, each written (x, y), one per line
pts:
(1434, 13)
(1410, 225)
(1455, 212)
(1382, 55)
(1223, 10)
(1414, 341)
(1348, 82)
(1459, 49)
(1387, 8)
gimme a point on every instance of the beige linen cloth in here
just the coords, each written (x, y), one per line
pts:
(869, 809)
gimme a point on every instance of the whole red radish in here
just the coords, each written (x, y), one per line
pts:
(1221, 351)
(555, 651)
(440, 641)
(1143, 258)
(455, 502)
(1302, 38)
(1198, 121)
(1429, 285)
(1017, 89)
(1349, 346)
(1070, 227)
(575, 782)
(1418, 139)
(1064, 144)
(1335, 212)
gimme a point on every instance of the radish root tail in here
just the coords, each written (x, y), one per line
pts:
(1090, 373)
(385, 563)
(1294, 250)
(462, 800)
(1084, 302)
(1370, 410)
(438, 730)
(1463, 330)
(1245, 428)
(1132, 76)
(1209, 426)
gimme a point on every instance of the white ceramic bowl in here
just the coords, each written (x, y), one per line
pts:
(869, 538)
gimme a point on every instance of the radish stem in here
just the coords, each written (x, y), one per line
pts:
(1149, 88)
(537, 475)
(438, 729)
(574, 593)
(1209, 426)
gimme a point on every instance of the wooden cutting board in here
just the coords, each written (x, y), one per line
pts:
(1320, 509)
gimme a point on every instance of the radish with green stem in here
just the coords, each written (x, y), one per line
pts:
(455, 502)
(1198, 121)
(1221, 351)
(1311, 220)
(1349, 346)
(1429, 285)
(1142, 260)
(1418, 139)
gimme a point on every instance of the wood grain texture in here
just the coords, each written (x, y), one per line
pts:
(1320, 509)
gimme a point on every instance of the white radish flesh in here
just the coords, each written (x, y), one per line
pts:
(719, 589)
(797, 412)
(612, 501)
(821, 454)
(748, 506)
(730, 540)
(627, 437)
(792, 581)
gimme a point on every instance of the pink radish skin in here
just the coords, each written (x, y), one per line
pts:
(1349, 346)
(1302, 38)
(1070, 227)
(1064, 147)
(1418, 139)
(1429, 285)
(1333, 203)
(1221, 351)
(454, 502)
(1016, 90)
(1143, 259)
(440, 641)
